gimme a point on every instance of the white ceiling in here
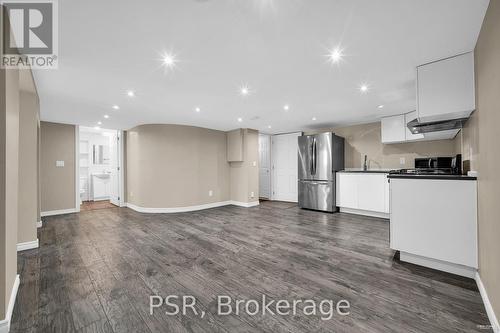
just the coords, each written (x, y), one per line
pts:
(277, 47)
(94, 130)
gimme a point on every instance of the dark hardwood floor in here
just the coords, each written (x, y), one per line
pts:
(94, 272)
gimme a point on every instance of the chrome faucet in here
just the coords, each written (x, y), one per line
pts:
(365, 165)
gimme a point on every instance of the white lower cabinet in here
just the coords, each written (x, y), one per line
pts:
(434, 223)
(347, 190)
(363, 193)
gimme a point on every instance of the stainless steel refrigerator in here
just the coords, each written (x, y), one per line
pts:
(320, 156)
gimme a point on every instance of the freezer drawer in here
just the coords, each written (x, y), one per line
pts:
(317, 195)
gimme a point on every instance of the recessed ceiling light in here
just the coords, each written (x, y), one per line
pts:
(97, 127)
(116, 107)
(245, 90)
(130, 93)
(364, 88)
(269, 126)
(336, 55)
(380, 106)
(106, 116)
(313, 118)
(169, 60)
(240, 120)
(197, 109)
(99, 123)
(286, 107)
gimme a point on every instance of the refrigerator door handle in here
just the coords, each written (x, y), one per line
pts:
(313, 159)
(316, 182)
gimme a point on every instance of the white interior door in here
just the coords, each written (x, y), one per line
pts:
(114, 154)
(264, 166)
(284, 149)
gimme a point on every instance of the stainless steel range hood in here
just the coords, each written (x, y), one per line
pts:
(436, 126)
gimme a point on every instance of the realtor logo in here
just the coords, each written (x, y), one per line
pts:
(29, 34)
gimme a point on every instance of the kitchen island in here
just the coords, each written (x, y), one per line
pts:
(434, 221)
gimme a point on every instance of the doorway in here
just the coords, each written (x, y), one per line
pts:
(99, 168)
(284, 154)
(264, 166)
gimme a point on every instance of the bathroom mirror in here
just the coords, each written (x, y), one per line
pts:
(100, 155)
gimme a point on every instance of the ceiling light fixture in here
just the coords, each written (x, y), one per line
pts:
(240, 120)
(364, 88)
(97, 128)
(336, 55)
(286, 107)
(245, 90)
(380, 106)
(130, 93)
(106, 116)
(197, 109)
(169, 60)
(116, 107)
(269, 126)
(99, 123)
(313, 118)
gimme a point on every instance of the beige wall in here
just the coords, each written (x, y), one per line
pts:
(366, 139)
(28, 161)
(9, 163)
(57, 143)
(469, 143)
(244, 176)
(175, 166)
(480, 145)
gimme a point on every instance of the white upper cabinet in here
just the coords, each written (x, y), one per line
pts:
(445, 89)
(393, 129)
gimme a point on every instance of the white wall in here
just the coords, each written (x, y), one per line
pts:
(93, 138)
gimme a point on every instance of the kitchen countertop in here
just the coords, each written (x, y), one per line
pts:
(360, 170)
(421, 176)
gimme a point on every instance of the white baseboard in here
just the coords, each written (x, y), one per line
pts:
(5, 323)
(39, 224)
(27, 245)
(176, 209)
(101, 199)
(244, 204)
(58, 212)
(489, 308)
(364, 212)
(189, 208)
(439, 265)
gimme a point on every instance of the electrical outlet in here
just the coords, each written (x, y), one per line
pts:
(402, 160)
(210, 193)
(252, 194)
(59, 164)
(131, 193)
(254, 163)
